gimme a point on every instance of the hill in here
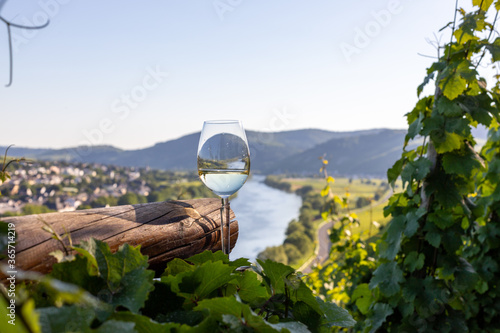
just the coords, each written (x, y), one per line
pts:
(368, 152)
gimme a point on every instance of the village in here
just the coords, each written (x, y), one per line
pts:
(41, 186)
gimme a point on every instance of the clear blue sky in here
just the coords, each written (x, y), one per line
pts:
(98, 72)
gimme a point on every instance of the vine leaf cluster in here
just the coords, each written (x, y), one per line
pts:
(430, 276)
(345, 276)
(435, 268)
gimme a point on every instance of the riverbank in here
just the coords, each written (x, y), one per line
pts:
(362, 192)
(263, 215)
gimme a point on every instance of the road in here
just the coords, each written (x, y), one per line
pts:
(324, 247)
(324, 244)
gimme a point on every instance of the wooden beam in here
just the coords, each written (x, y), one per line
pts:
(165, 230)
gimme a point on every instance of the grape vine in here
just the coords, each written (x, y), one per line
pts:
(436, 264)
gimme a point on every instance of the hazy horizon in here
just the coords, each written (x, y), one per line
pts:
(131, 74)
(191, 133)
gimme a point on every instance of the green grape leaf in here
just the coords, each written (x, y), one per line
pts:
(205, 279)
(452, 141)
(453, 85)
(362, 296)
(479, 107)
(445, 188)
(489, 267)
(464, 70)
(482, 287)
(434, 238)
(434, 125)
(380, 313)
(304, 294)
(415, 127)
(207, 255)
(448, 108)
(457, 163)
(451, 240)
(235, 314)
(135, 288)
(220, 306)
(442, 219)
(482, 116)
(387, 278)
(112, 267)
(66, 319)
(483, 4)
(305, 314)
(276, 273)
(430, 296)
(259, 325)
(457, 125)
(78, 272)
(291, 326)
(393, 237)
(414, 261)
(494, 47)
(465, 275)
(92, 267)
(200, 258)
(335, 315)
(412, 224)
(416, 170)
(144, 324)
(394, 172)
(124, 272)
(250, 289)
(177, 266)
(469, 25)
(420, 88)
(411, 289)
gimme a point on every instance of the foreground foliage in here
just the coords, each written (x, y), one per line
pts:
(98, 291)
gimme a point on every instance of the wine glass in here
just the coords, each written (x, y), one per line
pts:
(223, 165)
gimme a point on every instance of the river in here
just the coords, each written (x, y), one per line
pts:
(263, 214)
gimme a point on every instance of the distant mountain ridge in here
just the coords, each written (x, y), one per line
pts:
(366, 152)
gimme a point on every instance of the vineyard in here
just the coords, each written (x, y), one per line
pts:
(434, 268)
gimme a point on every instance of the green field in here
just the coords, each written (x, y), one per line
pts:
(361, 186)
(356, 188)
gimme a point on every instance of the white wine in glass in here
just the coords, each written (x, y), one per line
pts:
(223, 165)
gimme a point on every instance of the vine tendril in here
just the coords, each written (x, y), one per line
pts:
(9, 32)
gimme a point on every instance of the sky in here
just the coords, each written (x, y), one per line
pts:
(131, 74)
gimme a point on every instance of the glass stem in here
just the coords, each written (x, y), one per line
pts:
(225, 229)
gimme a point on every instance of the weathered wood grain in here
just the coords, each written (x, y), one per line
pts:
(164, 230)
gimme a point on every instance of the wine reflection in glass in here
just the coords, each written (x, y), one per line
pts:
(223, 165)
